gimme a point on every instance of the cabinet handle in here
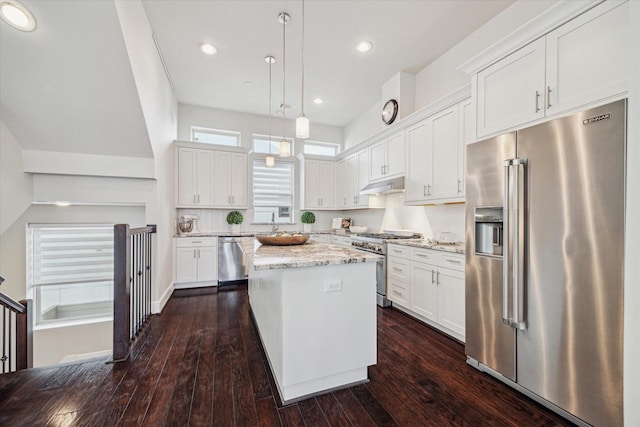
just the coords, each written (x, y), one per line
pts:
(381, 170)
(422, 255)
(233, 200)
(453, 261)
(398, 251)
(194, 253)
(424, 190)
(438, 276)
(548, 96)
(355, 200)
(397, 269)
(537, 101)
(459, 182)
(397, 293)
(198, 253)
(198, 198)
(433, 280)
(429, 190)
(196, 241)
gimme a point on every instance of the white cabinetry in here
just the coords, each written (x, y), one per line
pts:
(340, 240)
(319, 238)
(196, 261)
(195, 177)
(209, 178)
(386, 157)
(351, 176)
(429, 285)
(435, 156)
(230, 179)
(317, 184)
(581, 62)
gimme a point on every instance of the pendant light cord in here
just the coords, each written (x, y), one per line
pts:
(284, 78)
(302, 106)
(270, 65)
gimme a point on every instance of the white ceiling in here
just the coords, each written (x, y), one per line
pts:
(68, 85)
(406, 35)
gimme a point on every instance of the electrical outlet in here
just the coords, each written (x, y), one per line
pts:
(334, 285)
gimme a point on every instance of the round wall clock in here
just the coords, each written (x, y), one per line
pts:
(390, 111)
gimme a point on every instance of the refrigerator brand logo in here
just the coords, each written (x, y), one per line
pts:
(596, 119)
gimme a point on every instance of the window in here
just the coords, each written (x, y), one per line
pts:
(321, 148)
(215, 136)
(273, 192)
(261, 144)
(71, 272)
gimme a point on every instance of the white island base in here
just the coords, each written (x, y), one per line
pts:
(317, 325)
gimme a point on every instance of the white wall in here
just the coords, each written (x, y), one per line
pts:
(632, 237)
(16, 187)
(160, 110)
(249, 124)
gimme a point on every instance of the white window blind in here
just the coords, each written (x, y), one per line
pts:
(272, 191)
(72, 255)
(71, 272)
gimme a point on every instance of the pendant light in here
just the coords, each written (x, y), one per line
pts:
(270, 161)
(302, 122)
(285, 147)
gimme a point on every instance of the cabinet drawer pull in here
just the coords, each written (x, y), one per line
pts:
(397, 269)
(548, 96)
(438, 277)
(433, 280)
(453, 261)
(398, 251)
(422, 255)
(397, 293)
(459, 182)
(537, 101)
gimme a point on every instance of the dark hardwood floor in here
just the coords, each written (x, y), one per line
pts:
(200, 363)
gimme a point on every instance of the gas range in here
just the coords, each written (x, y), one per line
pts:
(377, 242)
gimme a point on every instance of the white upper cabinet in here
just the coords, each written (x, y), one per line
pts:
(587, 58)
(317, 184)
(435, 156)
(362, 164)
(584, 61)
(210, 178)
(342, 182)
(195, 177)
(351, 176)
(387, 157)
(511, 91)
(230, 179)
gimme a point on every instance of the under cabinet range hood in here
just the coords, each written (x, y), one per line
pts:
(394, 185)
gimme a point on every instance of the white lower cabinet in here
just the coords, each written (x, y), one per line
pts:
(319, 238)
(429, 285)
(340, 240)
(196, 261)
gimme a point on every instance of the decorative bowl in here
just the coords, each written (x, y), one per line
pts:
(357, 229)
(282, 239)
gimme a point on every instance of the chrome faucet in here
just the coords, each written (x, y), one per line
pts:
(274, 226)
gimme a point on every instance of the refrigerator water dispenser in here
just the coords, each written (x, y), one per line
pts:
(489, 231)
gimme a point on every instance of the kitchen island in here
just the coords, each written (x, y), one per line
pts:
(315, 309)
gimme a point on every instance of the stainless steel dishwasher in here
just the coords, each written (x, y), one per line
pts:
(232, 264)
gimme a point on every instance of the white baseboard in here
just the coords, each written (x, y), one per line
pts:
(86, 356)
(195, 285)
(157, 306)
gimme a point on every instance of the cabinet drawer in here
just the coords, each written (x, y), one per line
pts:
(340, 240)
(425, 255)
(398, 251)
(454, 262)
(191, 242)
(398, 269)
(398, 293)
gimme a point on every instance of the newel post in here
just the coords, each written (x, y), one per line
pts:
(24, 335)
(121, 291)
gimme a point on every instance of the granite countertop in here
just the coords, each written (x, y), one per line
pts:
(251, 233)
(457, 248)
(267, 257)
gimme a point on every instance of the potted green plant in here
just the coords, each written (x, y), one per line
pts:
(307, 219)
(234, 219)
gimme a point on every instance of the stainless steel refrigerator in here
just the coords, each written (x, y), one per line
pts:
(544, 261)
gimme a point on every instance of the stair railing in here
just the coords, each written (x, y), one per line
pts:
(132, 264)
(17, 333)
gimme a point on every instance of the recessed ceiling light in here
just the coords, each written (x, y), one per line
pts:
(317, 101)
(363, 46)
(16, 15)
(208, 48)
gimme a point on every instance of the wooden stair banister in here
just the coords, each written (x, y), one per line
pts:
(17, 329)
(132, 269)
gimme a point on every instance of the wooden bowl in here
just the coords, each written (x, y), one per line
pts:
(282, 239)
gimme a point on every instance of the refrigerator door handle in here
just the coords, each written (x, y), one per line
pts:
(505, 248)
(518, 278)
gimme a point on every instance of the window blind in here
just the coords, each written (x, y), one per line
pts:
(68, 255)
(272, 187)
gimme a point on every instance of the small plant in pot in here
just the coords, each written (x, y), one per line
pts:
(307, 218)
(235, 218)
